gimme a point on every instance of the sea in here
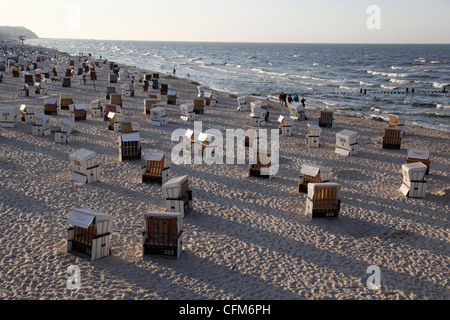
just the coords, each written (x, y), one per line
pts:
(369, 80)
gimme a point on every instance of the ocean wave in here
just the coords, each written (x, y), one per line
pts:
(316, 64)
(397, 68)
(362, 83)
(388, 87)
(400, 81)
(440, 85)
(422, 60)
(441, 106)
(387, 74)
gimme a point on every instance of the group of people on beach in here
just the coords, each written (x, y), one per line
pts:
(286, 99)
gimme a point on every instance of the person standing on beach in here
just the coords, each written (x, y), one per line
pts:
(303, 102)
(84, 78)
(174, 72)
(280, 97)
(296, 99)
(284, 99)
(289, 99)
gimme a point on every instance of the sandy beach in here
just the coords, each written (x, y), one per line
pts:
(247, 238)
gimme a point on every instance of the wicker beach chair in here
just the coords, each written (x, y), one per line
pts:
(111, 108)
(199, 105)
(8, 117)
(129, 146)
(77, 112)
(50, 106)
(65, 100)
(311, 173)
(156, 168)
(116, 98)
(323, 200)
(414, 184)
(27, 113)
(392, 138)
(326, 118)
(262, 166)
(40, 125)
(163, 234)
(416, 155)
(285, 125)
(172, 98)
(397, 122)
(89, 234)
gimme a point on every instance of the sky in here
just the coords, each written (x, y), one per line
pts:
(287, 21)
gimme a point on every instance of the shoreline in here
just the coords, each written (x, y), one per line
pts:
(247, 238)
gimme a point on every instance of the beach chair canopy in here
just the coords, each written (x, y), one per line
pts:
(414, 171)
(419, 154)
(153, 156)
(83, 218)
(130, 137)
(173, 187)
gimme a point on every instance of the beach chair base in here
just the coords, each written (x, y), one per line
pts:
(92, 175)
(418, 189)
(161, 251)
(136, 156)
(391, 146)
(322, 213)
(313, 142)
(183, 204)
(259, 174)
(61, 137)
(285, 131)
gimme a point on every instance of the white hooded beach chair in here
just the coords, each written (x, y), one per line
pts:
(156, 169)
(323, 200)
(113, 121)
(258, 116)
(96, 109)
(27, 113)
(210, 98)
(187, 112)
(346, 143)
(158, 116)
(242, 104)
(40, 125)
(313, 136)
(163, 234)
(8, 117)
(84, 166)
(285, 125)
(296, 111)
(89, 234)
(127, 90)
(413, 184)
(417, 155)
(178, 196)
(129, 146)
(311, 173)
(63, 135)
(77, 112)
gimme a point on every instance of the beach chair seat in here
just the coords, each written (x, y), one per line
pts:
(262, 166)
(172, 98)
(323, 200)
(28, 79)
(89, 234)
(296, 111)
(413, 183)
(312, 173)
(163, 234)
(178, 196)
(199, 105)
(156, 169)
(116, 98)
(129, 146)
(392, 138)
(66, 83)
(417, 155)
(346, 143)
(158, 116)
(326, 118)
(65, 100)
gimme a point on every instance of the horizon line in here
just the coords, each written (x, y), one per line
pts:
(256, 42)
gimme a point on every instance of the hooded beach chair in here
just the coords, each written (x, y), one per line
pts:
(346, 143)
(258, 115)
(285, 125)
(326, 118)
(158, 116)
(109, 90)
(63, 135)
(129, 146)
(199, 105)
(392, 138)
(187, 112)
(311, 173)
(164, 88)
(156, 168)
(89, 234)
(96, 109)
(50, 106)
(66, 83)
(27, 113)
(323, 200)
(313, 136)
(251, 137)
(111, 108)
(114, 119)
(126, 126)
(416, 155)
(84, 166)
(177, 194)
(262, 166)
(172, 98)
(77, 112)
(296, 111)
(210, 98)
(149, 104)
(413, 184)
(8, 117)
(397, 122)
(65, 100)
(115, 98)
(242, 104)
(163, 234)
(40, 125)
